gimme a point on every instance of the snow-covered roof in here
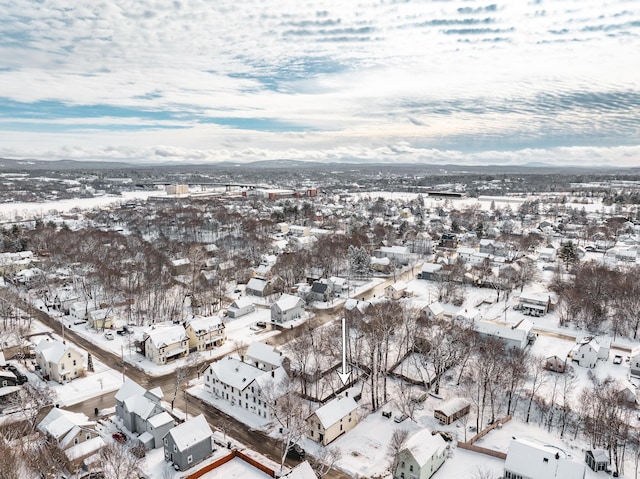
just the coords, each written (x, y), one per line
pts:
(129, 388)
(165, 334)
(201, 325)
(431, 267)
(435, 308)
(515, 332)
(256, 284)
(394, 249)
(264, 353)
(534, 297)
(3, 362)
(399, 286)
(85, 448)
(140, 406)
(241, 303)
(452, 406)
(52, 351)
(288, 301)
(235, 373)
(335, 410)
(191, 432)
(160, 420)
(541, 461)
(277, 378)
(423, 446)
(301, 471)
(180, 262)
(60, 424)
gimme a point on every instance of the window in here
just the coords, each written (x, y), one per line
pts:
(88, 436)
(75, 440)
(341, 427)
(311, 433)
(175, 448)
(402, 464)
(165, 441)
(69, 355)
(411, 468)
(189, 459)
(74, 362)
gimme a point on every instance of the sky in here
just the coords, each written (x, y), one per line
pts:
(198, 81)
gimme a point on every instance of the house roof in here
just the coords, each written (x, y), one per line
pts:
(423, 446)
(514, 332)
(59, 423)
(85, 448)
(235, 373)
(435, 308)
(129, 388)
(264, 353)
(394, 249)
(288, 301)
(277, 379)
(452, 406)
(201, 325)
(256, 284)
(241, 303)
(431, 267)
(318, 287)
(165, 334)
(140, 406)
(541, 461)
(191, 432)
(335, 410)
(53, 351)
(301, 471)
(600, 455)
(160, 420)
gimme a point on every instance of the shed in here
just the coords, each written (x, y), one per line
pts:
(597, 459)
(452, 410)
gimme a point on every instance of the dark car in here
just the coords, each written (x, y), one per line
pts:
(20, 378)
(296, 452)
(118, 436)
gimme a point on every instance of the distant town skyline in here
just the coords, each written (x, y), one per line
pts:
(465, 82)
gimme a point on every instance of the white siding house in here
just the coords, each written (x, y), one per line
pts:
(421, 456)
(165, 342)
(287, 308)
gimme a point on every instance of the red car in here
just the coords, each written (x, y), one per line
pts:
(118, 436)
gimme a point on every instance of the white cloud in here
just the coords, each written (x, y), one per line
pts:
(452, 76)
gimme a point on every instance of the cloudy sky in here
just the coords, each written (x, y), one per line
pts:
(470, 82)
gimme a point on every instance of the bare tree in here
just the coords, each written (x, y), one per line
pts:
(325, 460)
(118, 461)
(398, 439)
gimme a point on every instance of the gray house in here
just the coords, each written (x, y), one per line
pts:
(287, 308)
(240, 307)
(189, 443)
(140, 412)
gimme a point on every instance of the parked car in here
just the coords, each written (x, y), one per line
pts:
(109, 335)
(296, 452)
(617, 359)
(400, 417)
(119, 437)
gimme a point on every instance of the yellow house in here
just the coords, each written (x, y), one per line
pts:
(330, 421)
(204, 332)
(165, 342)
(101, 319)
(58, 361)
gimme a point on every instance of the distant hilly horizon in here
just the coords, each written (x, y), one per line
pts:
(36, 164)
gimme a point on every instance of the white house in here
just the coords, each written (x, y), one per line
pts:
(204, 332)
(468, 315)
(75, 434)
(531, 460)
(263, 356)
(634, 363)
(79, 310)
(258, 287)
(396, 290)
(330, 421)
(512, 335)
(287, 308)
(399, 254)
(588, 350)
(547, 254)
(534, 304)
(165, 342)
(240, 307)
(58, 361)
(244, 384)
(434, 311)
(421, 456)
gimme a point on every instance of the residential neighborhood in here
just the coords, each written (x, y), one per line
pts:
(416, 344)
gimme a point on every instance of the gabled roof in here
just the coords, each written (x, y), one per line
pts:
(191, 432)
(140, 406)
(318, 287)
(202, 325)
(277, 379)
(452, 406)
(288, 301)
(233, 372)
(423, 446)
(160, 420)
(334, 410)
(60, 423)
(264, 353)
(165, 334)
(301, 471)
(53, 351)
(256, 284)
(129, 388)
(242, 302)
(541, 461)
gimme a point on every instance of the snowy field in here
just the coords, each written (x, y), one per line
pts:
(30, 210)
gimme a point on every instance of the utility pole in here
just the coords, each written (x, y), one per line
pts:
(122, 358)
